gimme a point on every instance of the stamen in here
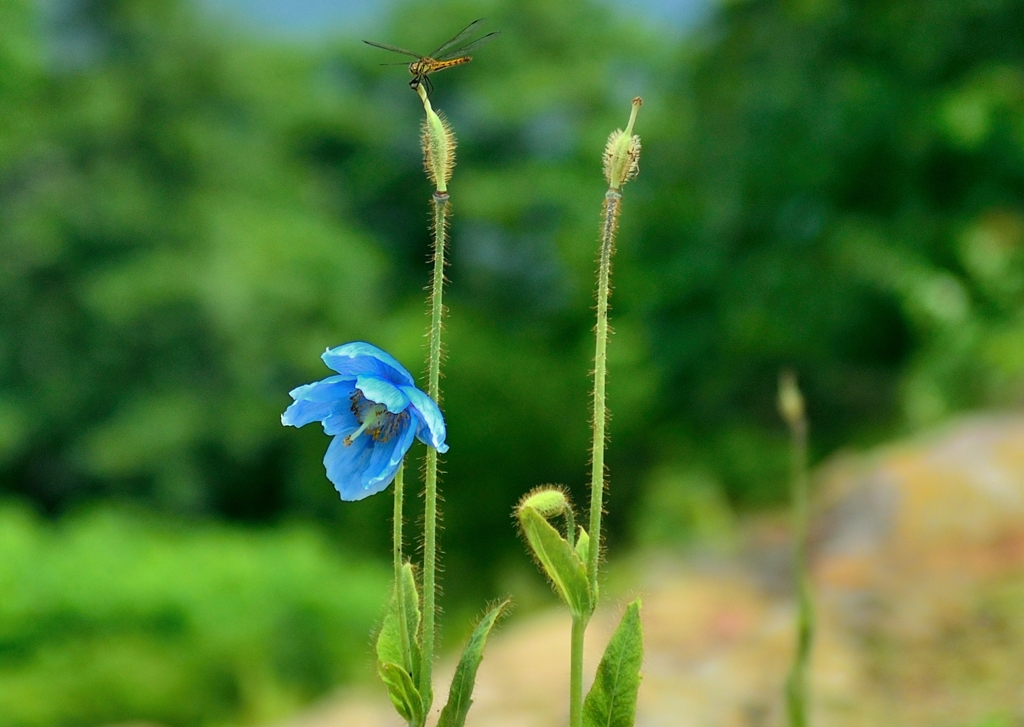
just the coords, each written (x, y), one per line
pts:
(348, 440)
(389, 425)
(360, 405)
(374, 419)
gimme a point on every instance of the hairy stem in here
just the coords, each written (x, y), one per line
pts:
(796, 682)
(403, 625)
(612, 201)
(440, 221)
(579, 627)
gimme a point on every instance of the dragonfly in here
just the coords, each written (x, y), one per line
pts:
(448, 55)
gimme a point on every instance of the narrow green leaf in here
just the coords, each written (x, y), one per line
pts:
(563, 566)
(395, 645)
(583, 545)
(403, 692)
(612, 700)
(460, 695)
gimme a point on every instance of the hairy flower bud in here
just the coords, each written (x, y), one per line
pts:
(548, 501)
(622, 152)
(438, 141)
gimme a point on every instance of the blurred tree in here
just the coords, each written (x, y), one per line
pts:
(183, 239)
(188, 218)
(169, 263)
(840, 190)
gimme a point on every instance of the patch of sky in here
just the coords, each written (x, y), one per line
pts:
(321, 19)
(303, 20)
(72, 40)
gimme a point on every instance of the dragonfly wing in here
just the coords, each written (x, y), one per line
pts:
(464, 50)
(466, 32)
(393, 48)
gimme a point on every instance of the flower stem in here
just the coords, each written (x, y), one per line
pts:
(796, 682)
(440, 222)
(609, 225)
(397, 536)
(579, 627)
(403, 624)
(621, 163)
(440, 227)
(612, 203)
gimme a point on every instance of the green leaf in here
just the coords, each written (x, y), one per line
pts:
(403, 692)
(563, 566)
(393, 645)
(612, 700)
(583, 545)
(461, 692)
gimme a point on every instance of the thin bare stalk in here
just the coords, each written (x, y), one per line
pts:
(792, 408)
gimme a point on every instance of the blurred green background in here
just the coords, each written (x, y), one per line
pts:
(194, 204)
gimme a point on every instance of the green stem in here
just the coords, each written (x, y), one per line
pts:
(440, 222)
(397, 536)
(403, 624)
(796, 682)
(579, 627)
(612, 200)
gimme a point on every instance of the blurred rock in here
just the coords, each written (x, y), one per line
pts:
(919, 571)
(920, 565)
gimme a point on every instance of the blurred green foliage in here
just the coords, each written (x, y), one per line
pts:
(189, 217)
(682, 508)
(111, 617)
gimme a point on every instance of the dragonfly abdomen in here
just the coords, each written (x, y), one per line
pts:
(424, 66)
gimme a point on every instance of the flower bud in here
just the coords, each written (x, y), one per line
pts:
(548, 501)
(791, 401)
(557, 559)
(622, 152)
(438, 141)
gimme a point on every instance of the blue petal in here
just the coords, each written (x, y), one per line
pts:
(380, 391)
(432, 430)
(317, 401)
(341, 421)
(346, 464)
(302, 412)
(359, 357)
(329, 389)
(385, 460)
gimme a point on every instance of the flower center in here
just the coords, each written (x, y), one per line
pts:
(374, 419)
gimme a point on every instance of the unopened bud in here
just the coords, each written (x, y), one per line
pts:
(791, 401)
(438, 141)
(622, 152)
(548, 501)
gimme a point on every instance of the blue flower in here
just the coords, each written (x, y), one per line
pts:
(373, 410)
